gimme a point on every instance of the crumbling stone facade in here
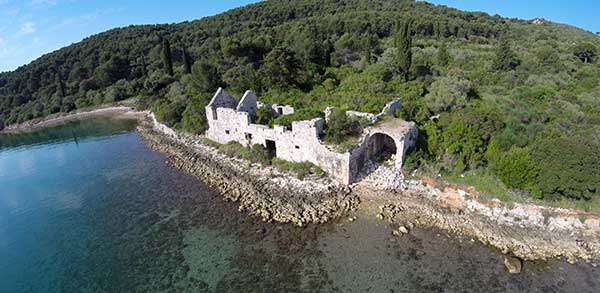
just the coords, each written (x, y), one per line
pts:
(230, 120)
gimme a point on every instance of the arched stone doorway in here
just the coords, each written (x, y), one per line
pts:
(381, 147)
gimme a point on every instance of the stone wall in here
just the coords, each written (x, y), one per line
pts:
(301, 143)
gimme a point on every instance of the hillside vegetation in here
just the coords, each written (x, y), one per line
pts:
(506, 97)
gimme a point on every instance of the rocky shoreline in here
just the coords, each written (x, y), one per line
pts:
(261, 191)
(525, 241)
(526, 232)
(55, 119)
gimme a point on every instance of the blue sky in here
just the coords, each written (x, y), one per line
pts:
(581, 13)
(31, 28)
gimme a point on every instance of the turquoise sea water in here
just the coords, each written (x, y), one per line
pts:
(87, 207)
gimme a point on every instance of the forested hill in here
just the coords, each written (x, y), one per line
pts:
(516, 99)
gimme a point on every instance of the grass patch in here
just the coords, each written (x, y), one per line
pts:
(491, 187)
(259, 154)
(300, 169)
(484, 182)
(255, 154)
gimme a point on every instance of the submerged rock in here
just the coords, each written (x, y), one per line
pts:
(403, 230)
(514, 265)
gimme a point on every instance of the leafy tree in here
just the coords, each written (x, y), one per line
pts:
(447, 93)
(114, 69)
(347, 49)
(506, 59)
(206, 76)
(193, 118)
(586, 52)
(243, 77)
(264, 115)
(340, 126)
(282, 69)
(167, 57)
(403, 44)
(169, 113)
(463, 144)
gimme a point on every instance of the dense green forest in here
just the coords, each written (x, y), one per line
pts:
(512, 99)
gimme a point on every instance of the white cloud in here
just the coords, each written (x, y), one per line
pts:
(39, 3)
(27, 28)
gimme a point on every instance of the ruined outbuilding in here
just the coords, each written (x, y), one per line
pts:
(230, 120)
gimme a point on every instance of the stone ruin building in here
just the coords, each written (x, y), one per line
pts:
(230, 120)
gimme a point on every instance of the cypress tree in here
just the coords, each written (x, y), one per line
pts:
(187, 66)
(60, 87)
(443, 56)
(144, 72)
(167, 57)
(403, 43)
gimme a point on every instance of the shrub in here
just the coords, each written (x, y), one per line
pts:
(586, 52)
(568, 167)
(302, 114)
(340, 127)
(516, 169)
(169, 113)
(193, 118)
(263, 116)
(447, 93)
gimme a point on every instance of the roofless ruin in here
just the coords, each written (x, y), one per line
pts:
(230, 120)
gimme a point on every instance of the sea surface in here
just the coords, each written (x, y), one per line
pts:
(88, 207)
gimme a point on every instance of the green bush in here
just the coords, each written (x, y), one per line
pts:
(264, 116)
(568, 167)
(447, 93)
(516, 169)
(340, 127)
(169, 112)
(193, 118)
(299, 115)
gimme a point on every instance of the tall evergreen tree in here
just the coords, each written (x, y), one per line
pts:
(167, 57)
(403, 44)
(144, 72)
(60, 87)
(443, 57)
(187, 65)
(506, 58)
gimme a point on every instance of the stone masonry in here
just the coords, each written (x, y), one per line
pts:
(230, 120)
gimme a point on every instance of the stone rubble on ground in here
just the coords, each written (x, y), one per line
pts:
(384, 176)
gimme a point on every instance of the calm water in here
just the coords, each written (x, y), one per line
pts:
(88, 207)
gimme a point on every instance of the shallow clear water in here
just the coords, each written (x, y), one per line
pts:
(88, 207)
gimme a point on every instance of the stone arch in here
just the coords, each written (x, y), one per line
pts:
(381, 147)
